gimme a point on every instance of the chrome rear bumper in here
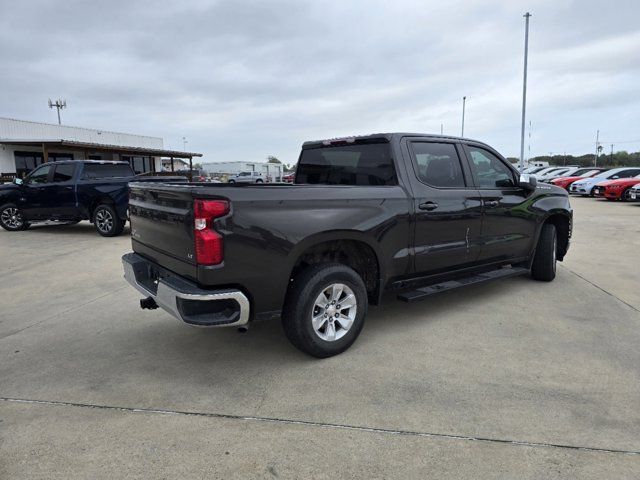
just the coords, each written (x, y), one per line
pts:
(182, 298)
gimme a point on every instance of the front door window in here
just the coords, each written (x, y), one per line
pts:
(490, 171)
(39, 175)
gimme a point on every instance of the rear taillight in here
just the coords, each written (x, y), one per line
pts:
(208, 242)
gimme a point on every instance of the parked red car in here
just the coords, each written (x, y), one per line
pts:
(289, 177)
(619, 189)
(564, 182)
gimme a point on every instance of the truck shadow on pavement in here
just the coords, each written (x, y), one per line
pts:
(268, 341)
(80, 229)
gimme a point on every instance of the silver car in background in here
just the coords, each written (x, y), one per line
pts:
(247, 177)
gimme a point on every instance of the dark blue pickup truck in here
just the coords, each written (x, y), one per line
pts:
(72, 191)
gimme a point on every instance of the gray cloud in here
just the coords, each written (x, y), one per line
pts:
(244, 79)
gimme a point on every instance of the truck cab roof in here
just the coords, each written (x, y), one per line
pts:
(110, 162)
(384, 137)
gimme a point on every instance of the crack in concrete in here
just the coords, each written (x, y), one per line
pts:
(68, 310)
(308, 423)
(601, 289)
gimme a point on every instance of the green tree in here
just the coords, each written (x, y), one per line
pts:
(272, 159)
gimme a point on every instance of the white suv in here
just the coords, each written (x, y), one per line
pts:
(247, 177)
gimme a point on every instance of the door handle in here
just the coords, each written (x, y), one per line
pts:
(492, 203)
(428, 206)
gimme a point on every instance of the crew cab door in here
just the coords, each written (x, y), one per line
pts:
(62, 192)
(508, 227)
(34, 198)
(447, 207)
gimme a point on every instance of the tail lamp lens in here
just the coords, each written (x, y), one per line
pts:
(208, 243)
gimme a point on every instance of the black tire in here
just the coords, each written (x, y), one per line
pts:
(543, 267)
(300, 307)
(232, 181)
(11, 218)
(259, 181)
(626, 195)
(106, 221)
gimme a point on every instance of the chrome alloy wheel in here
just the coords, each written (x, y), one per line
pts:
(334, 312)
(104, 220)
(11, 217)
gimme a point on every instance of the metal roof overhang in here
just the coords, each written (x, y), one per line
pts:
(152, 152)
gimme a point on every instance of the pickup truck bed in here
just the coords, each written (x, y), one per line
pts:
(388, 212)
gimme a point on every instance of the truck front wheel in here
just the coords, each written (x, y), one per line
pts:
(544, 261)
(107, 222)
(325, 309)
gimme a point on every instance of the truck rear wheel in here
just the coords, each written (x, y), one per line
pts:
(107, 222)
(325, 309)
(11, 218)
(544, 261)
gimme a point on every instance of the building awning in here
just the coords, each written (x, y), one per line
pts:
(121, 149)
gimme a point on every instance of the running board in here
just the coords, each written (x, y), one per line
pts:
(420, 293)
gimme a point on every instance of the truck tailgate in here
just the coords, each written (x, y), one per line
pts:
(161, 218)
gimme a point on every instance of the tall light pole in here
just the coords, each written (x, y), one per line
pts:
(464, 102)
(59, 104)
(524, 88)
(184, 144)
(595, 162)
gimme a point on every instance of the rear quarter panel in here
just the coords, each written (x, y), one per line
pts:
(270, 227)
(92, 192)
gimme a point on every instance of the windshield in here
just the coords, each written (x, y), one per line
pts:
(557, 172)
(583, 171)
(606, 173)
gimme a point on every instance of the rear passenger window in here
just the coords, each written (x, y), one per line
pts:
(63, 172)
(360, 164)
(93, 171)
(438, 164)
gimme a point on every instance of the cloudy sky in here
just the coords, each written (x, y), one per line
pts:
(246, 79)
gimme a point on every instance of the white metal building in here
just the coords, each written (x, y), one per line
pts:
(25, 145)
(272, 171)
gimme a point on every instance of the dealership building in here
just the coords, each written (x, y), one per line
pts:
(24, 145)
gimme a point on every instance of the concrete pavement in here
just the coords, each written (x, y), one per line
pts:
(92, 386)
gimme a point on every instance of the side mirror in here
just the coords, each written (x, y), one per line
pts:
(17, 181)
(528, 182)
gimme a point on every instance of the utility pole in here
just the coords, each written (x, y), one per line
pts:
(612, 154)
(595, 163)
(464, 102)
(59, 104)
(529, 146)
(441, 129)
(524, 88)
(184, 144)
